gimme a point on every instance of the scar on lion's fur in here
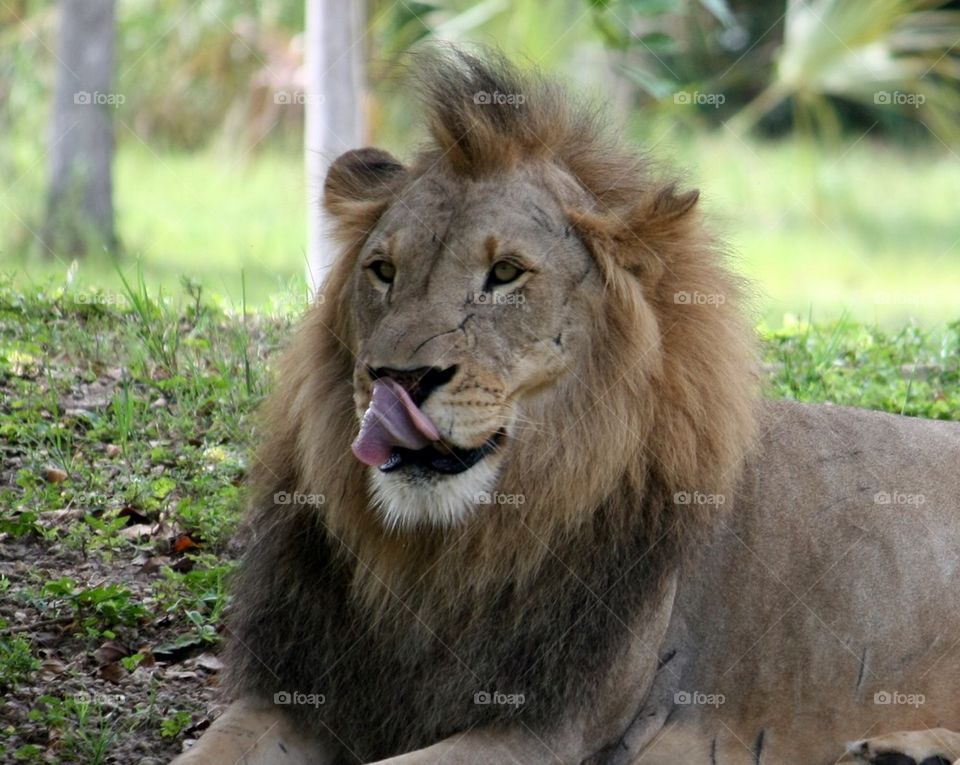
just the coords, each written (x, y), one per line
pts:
(666, 403)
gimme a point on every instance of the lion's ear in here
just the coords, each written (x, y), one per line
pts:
(640, 238)
(359, 185)
(660, 213)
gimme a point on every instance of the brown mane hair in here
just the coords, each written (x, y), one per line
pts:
(664, 403)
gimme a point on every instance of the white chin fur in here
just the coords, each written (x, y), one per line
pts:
(405, 502)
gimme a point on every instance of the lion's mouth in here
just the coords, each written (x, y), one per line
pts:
(445, 459)
(395, 433)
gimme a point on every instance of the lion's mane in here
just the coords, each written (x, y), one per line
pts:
(398, 631)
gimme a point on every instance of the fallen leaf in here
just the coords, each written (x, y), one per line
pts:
(209, 661)
(182, 542)
(51, 518)
(54, 475)
(112, 672)
(153, 564)
(109, 652)
(182, 674)
(137, 531)
(53, 666)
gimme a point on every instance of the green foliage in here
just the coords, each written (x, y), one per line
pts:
(883, 54)
(98, 608)
(86, 730)
(17, 661)
(174, 724)
(157, 325)
(913, 371)
(832, 62)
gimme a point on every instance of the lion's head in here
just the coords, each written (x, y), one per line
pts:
(523, 322)
(472, 305)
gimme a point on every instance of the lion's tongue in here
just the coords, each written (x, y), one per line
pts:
(392, 419)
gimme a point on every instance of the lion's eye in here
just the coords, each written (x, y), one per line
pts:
(504, 272)
(384, 270)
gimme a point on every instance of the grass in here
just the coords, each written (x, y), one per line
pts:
(867, 231)
(125, 433)
(208, 216)
(126, 429)
(863, 230)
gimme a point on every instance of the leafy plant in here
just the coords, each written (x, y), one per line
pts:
(99, 607)
(17, 661)
(882, 54)
(174, 724)
(86, 730)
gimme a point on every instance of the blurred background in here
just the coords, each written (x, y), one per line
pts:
(824, 135)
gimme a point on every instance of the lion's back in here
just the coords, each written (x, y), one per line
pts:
(836, 572)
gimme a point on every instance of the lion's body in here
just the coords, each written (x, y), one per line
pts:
(675, 535)
(820, 601)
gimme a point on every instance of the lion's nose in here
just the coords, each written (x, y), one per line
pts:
(419, 382)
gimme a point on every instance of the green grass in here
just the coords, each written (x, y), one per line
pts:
(863, 230)
(866, 231)
(208, 215)
(125, 433)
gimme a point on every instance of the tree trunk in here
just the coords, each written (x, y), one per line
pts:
(335, 52)
(80, 194)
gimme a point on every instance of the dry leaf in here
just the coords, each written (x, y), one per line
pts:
(54, 475)
(154, 564)
(209, 661)
(137, 531)
(53, 666)
(109, 652)
(112, 672)
(182, 542)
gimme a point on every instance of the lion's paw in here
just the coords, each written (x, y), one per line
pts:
(936, 746)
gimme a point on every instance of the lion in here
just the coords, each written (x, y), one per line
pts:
(520, 497)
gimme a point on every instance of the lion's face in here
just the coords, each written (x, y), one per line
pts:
(467, 297)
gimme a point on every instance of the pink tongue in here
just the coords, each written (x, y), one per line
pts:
(392, 419)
